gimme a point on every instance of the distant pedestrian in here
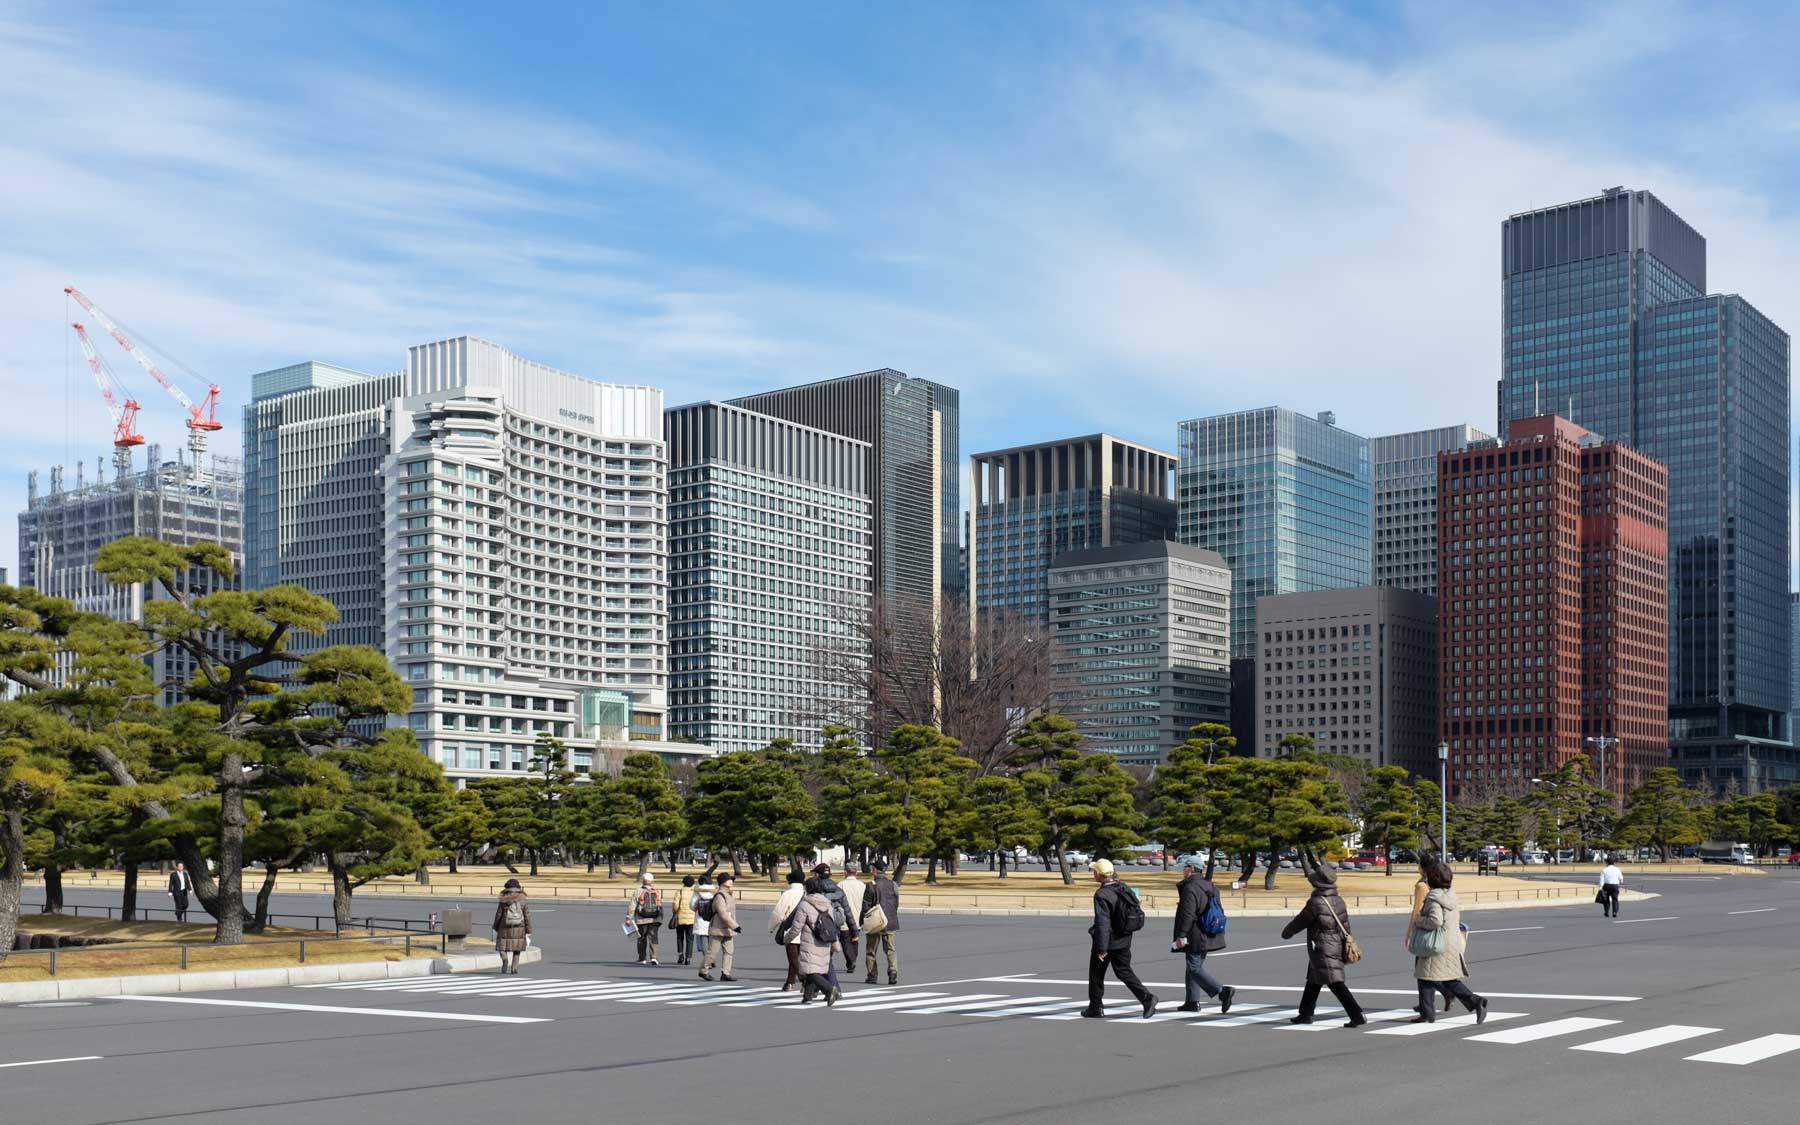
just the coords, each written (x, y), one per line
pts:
(1117, 915)
(781, 920)
(814, 934)
(884, 893)
(682, 919)
(703, 895)
(854, 892)
(1439, 942)
(1198, 911)
(722, 930)
(645, 911)
(1612, 881)
(512, 925)
(1329, 946)
(180, 886)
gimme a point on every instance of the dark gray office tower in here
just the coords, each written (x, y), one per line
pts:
(1033, 503)
(911, 426)
(1607, 321)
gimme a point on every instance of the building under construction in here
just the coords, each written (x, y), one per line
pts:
(62, 530)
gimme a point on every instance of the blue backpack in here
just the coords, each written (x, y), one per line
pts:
(1212, 919)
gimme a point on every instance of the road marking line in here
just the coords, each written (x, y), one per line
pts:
(1377, 991)
(1392, 1015)
(1446, 1024)
(662, 994)
(1033, 1009)
(399, 1013)
(690, 990)
(1764, 910)
(888, 1004)
(1116, 1008)
(969, 1008)
(1634, 921)
(1213, 1013)
(1644, 1040)
(871, 997)
(622, 994)
(1538, 1031)
(1275, 1016)
(47, 1062)
(723, 996)
(1258, 949)
(428, 982)
(1751, 1050)
(1507, 930)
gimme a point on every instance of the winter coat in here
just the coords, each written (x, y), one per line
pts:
(1109, 930)
(815, 955)
(1441, 912)
(840, 906)
(854, 892)
(651, 898)
(684, 907)
(885, 893)
(784, 907)
(724, 919)
(511, 939)
(1195, 893)
(1324, 941)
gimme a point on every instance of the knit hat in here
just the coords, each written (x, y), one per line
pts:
(512, 885)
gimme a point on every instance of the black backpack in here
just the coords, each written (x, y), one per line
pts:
(1128, 912)
(824, 927)
(704, 909)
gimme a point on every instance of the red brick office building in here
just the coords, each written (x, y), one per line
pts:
(1553, 607)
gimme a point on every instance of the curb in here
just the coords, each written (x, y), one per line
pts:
(150, 984)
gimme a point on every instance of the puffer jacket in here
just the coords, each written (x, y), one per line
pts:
(1441, 912)
(1195, 893)
(1324, 941)
(815, 955)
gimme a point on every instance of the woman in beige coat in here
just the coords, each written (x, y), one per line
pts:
(815, 955)
(512, 925)
(1438, 943)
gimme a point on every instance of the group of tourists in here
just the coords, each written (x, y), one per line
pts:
(818, 917)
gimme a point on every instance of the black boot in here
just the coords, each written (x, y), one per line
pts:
(1480, 1010)
(1226, 996)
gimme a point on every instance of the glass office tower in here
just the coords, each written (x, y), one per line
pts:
(1283, 498)
(1607, 322)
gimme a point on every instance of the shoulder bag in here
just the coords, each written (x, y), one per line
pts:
(1352, 951)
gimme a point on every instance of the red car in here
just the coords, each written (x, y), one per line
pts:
(1379, 859)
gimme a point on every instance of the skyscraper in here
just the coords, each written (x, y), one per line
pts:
(769, 548)
(1031, 503)
(1403, 475)
(1283, 498)
(1607, 321)
(1553, 608)
(1139, 645)
(911, 426)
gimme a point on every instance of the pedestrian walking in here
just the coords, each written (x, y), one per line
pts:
(1420, 890)
(1199, 930)
(682, 919)
(1329, 946)
(1439, 941)
(815, 935)
(854, 891)
(842, 922)
(1612, 881)
(180, 886)
(1117, 915)
(512, 925)
(645, 911)
(703, 895)
(884, 893)
(722, 929)
(781, 919)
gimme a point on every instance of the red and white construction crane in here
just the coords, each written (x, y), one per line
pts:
(200, 420)
(124, 417)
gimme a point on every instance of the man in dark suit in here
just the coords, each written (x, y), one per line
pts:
(179, 886)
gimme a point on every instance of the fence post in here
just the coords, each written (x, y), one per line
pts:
(53, 960)
(409, 944)
(184, 956)
(303, 951)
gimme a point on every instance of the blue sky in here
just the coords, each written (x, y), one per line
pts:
(1087, 217)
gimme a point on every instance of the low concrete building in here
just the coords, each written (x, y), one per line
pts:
(1355, 669)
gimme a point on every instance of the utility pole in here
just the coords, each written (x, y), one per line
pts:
(1444, 801)
(1604, 742)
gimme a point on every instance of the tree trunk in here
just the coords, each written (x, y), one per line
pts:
(128, 900)
(1274, 866)
(593, 862)
(230, 912)
(931, 870)
(1062, 865)
(1001, 856)
(643, 865)
(453, 856)
(772, 867)
(506, 861)
(260, 922)
(670, 856)
(340, 890)
(12, 876)
(53, 889)
(534, 862)
(423, 876)
(900, 861)
(737, 871)
(1387, 855)
(1249, 867)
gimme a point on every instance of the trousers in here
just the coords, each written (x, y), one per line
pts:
(1454, 989)
(847, 940)
(718, 952)
(1197, 979)
(1610, 907)
(684, 943)
(1309, 999)
(181, 905)
(646, 939)
(884, 942)
(1120, 961)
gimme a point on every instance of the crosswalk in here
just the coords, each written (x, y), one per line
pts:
(940, 1000)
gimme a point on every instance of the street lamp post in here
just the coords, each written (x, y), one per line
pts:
(1444, 801)
(1603, 742)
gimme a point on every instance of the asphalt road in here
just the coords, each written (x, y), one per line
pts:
(1682, 1011)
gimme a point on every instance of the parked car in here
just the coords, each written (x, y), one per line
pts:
(1078, 859)
(1535, 855)
(1372, 857)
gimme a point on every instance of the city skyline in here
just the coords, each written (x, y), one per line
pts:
(615, 236)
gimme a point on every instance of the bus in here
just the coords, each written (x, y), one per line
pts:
(1723, 851)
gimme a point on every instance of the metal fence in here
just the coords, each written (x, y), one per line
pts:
(148, 913)
(188, 956)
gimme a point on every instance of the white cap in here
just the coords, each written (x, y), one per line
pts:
(649, 878)
(1102, 867)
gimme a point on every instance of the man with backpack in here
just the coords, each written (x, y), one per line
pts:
(1117, 915)
(1199, 930)
(720, 913)
(646, 913)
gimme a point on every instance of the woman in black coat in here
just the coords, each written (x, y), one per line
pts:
(1326, 924)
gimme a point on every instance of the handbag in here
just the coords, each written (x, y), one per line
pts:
(875, 921)
(1352, 951)
(1600, 897)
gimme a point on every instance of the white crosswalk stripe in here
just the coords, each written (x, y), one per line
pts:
(1178, 1016)
(1392, 1015)
(858, 999)
(725, 995)
(1271, 1017)
(1750, 1051)
(1644, 1040)
(1534, 1032)
(1446, 1023)
(1112, 1008)
(892, 1004)
(968, 1007)
(1033, 1009)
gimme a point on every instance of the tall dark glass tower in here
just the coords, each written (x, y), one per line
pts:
(1607, 322)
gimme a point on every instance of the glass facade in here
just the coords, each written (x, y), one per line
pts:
(1283, 498)
(1403, 475)
(1606, 323)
